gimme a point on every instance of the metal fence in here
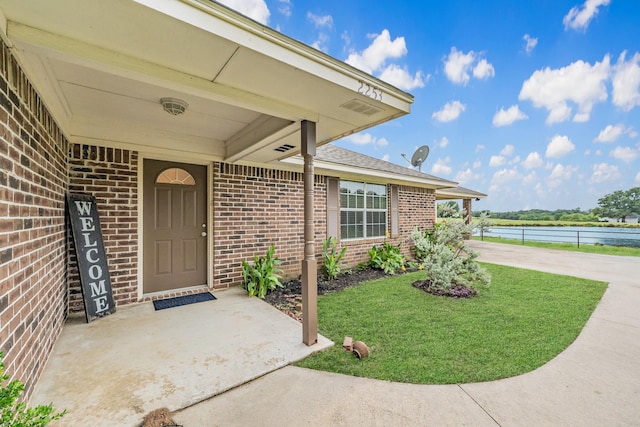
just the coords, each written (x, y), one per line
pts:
(620, 237)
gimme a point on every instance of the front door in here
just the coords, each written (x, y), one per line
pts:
(175, 226)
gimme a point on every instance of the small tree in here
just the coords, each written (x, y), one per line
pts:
(447, 259)
(483, 223)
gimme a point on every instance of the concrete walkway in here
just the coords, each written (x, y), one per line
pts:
(113, 371)
(594, 382)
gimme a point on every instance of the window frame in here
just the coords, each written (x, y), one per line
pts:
(368, 203)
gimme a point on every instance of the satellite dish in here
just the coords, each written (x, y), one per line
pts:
(418, 157)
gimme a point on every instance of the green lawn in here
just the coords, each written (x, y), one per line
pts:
(592, 249)
(522, 321)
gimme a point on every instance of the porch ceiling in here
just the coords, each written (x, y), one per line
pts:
(101, 67)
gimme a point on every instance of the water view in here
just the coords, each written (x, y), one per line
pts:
(609, 236)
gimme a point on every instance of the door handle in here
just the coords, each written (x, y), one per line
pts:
(203, 234)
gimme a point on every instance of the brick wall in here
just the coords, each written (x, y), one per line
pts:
(254, 208)
(111, 175)
(33, 184)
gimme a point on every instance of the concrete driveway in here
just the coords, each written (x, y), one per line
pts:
(594, 382)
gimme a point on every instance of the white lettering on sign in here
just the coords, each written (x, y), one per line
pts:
(87, 223)
(97, 289)
(89, 257)
(95, 272)
(87, 243)
(101, 304)
(84, 207)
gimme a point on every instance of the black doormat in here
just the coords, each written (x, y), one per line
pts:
(161, 304)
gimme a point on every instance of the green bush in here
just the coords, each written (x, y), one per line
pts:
(263, 275)
(332, 258)
(16, 414)
(447, 260)
(386, 257)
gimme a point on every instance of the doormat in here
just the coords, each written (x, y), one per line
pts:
(161, 304)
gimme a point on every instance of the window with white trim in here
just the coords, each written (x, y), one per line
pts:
(363, 210)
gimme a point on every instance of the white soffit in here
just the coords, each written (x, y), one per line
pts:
(101, 65)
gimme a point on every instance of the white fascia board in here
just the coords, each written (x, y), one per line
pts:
(255, 36)
(371, 175)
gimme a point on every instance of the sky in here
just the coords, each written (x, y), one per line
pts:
(534, 103)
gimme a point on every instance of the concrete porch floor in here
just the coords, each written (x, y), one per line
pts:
(117, 369)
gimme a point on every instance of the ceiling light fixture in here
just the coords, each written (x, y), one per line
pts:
(173, 106)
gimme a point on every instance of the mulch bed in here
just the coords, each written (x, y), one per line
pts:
(288, 298)
(455, 291)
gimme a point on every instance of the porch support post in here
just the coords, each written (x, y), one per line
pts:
(466, 207)
(309, 264)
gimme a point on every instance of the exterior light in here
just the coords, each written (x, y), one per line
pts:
(173, 106)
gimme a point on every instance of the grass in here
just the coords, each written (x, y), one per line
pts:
(522, 321)
(592, 249)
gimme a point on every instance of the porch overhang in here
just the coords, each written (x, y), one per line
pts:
(102, 67)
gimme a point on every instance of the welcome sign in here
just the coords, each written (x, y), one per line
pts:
(92, 260)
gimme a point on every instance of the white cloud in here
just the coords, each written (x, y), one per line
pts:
(604, 172)
(508, 116)
(374, 59)
(559, 146)
(466, 175)
(459, 65)
(531, 43)
(254, 9)
(480, 147)
(386, 157)
(483, 70)
(443, 142)
(610, 133)
(530, 178)
(441, 167)
(533, 161)
(379, 51)
(579, 83)
(504, 176)
(402, 79)
(366, 139)
(626, 82)
(514, 160)
(477, 164)
(496, 161)
(285, 7)
(638, 178)
(560, 174)
(579, 18)
(320, 20)
(321, 42)
(449, 112)
(626, 154)
(508, 150)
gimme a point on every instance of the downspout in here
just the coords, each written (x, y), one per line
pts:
(309, 264)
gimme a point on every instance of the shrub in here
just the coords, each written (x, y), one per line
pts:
(447, 260)
(387, 258)
(332, 257)
(16, 414)
(483, 223)
(263, 275)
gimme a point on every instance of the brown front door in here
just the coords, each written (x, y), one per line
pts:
(175, 226)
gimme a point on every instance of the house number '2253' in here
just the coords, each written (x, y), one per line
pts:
(370, 91)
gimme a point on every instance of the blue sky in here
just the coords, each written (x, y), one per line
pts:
(535, 103)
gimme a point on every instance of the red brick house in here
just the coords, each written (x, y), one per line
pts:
(182, 111)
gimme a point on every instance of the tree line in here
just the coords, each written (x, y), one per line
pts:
(617, 205)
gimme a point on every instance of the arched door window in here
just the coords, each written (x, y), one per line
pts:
(175, 176)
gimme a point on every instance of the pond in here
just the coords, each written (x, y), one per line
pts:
(609, 236)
